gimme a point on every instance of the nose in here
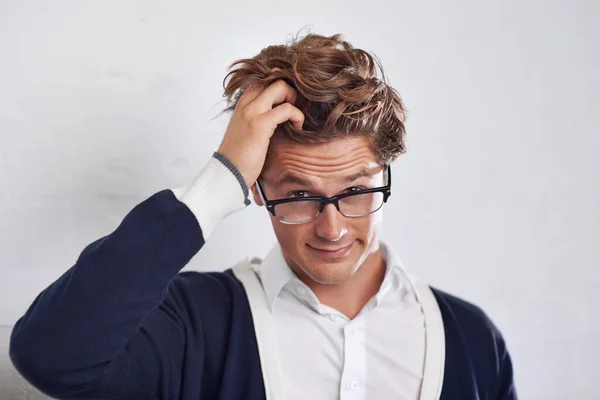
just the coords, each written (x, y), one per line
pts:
(330, 224)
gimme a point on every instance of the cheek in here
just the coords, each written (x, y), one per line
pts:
(290, 236)
(369, 226)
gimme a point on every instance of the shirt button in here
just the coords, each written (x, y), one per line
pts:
(332, 317)
(354, 385)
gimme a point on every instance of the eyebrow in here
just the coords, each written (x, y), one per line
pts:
(288, 178)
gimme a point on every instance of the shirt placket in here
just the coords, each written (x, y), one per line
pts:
(354, 373)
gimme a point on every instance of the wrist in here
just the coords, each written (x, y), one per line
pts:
(218, 191)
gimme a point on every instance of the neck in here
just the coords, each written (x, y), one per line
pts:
(350, 297)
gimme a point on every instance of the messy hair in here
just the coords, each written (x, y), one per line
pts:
(342, 92)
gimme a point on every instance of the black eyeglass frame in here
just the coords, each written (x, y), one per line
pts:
(323, 201)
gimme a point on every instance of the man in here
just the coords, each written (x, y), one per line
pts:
(329, 313)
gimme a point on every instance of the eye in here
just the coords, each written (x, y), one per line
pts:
(298, 193)
(353, 189)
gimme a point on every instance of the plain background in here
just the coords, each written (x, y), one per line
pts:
(103, 103)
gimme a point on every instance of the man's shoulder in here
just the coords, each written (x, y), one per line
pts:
(213, 289)
(470, 318)
(459, 305)
(470, 332)
(208, 280)
(467, 323)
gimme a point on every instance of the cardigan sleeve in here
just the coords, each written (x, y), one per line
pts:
(103, 330)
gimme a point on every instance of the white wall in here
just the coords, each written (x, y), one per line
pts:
(103, 103)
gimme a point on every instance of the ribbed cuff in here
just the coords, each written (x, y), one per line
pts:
(216, 192)
(235, 172)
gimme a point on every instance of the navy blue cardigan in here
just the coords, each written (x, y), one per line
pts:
(124, 323)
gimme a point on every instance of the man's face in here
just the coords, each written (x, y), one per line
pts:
(330, 249)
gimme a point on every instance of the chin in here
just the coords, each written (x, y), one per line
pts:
(330, 271)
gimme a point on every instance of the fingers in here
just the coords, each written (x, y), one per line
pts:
(251, 93)
(248, 96)
(282, 113)
(272, 105)
(276, 93)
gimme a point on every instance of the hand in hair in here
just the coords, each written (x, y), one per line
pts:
(256, 115)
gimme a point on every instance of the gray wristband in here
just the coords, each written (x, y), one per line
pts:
(225, 161)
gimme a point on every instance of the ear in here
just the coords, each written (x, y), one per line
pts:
(256, 196)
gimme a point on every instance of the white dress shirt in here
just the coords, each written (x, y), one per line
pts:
(394, 348)
(324, 355)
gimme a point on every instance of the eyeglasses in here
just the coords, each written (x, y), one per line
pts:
(356, 204)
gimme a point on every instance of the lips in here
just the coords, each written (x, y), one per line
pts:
(329, 250)
(337, 252)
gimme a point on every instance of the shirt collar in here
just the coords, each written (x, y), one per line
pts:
(275, 273)
(395, 277)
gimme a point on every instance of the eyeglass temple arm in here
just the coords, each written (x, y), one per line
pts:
(389, 176)
(260, 193)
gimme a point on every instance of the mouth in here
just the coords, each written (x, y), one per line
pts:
(331, 252)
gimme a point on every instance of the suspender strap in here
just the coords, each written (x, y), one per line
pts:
(435, 347)
(435, 343)
(264, 330)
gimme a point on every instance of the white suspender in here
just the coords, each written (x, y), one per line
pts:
(264, 330)
(435, 343)
(435, 347)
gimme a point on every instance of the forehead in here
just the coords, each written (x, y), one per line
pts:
(332, 160)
